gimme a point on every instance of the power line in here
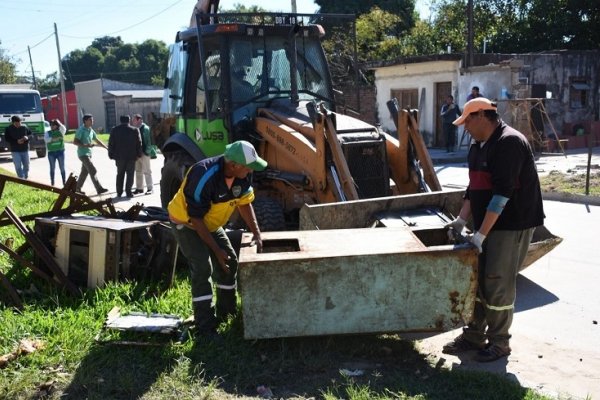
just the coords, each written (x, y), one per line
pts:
(35, 45)
(129, 27)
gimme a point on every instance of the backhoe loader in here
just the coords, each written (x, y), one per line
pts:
(265, 78)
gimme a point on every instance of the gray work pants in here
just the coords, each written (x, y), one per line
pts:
(499, 263)
(87, 168)
(204, 265)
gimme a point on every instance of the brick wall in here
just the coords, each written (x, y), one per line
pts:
(367, 108)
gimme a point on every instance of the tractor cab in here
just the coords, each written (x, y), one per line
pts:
(221, 73)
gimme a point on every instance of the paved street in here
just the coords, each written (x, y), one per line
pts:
(556, 336)
(107, 171)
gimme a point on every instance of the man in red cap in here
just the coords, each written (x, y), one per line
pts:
(505, 201)
(211, 191)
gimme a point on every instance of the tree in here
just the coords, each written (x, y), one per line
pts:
(8, 69)
(49, 85)
(511, 26)
(375, 33)
(106, 43)
(110, 57)
(404, 10)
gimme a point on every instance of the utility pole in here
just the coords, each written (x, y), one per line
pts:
(32, 71)
(62, 81)
(294, 9)
(470, 33)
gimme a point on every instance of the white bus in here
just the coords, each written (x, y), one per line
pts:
(27, 104)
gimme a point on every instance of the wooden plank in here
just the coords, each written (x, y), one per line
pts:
(12, 293)
(42, 251)
(423, 155)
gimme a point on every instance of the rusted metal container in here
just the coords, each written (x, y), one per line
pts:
(345, 281)
(409, 211)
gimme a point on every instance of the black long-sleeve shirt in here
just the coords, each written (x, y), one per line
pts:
(12, 134)
(504, 165)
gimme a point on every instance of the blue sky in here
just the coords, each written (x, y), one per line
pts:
(31, 23)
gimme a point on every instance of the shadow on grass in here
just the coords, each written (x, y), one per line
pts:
(118, 372)
(312, 367)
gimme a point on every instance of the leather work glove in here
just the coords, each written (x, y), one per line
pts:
(476, 240)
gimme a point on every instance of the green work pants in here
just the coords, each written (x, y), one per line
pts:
(204, 266)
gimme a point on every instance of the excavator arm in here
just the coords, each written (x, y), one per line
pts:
(410, 154)
(310, 147)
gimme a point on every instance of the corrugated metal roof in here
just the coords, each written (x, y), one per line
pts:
(138, 94)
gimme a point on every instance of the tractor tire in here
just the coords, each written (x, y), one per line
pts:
(269, 214)
(172, 174)
(41, 153)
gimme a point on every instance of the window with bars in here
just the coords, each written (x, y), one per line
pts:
(579, 90)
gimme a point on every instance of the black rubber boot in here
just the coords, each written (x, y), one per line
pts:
(205, 322)
(226, 304)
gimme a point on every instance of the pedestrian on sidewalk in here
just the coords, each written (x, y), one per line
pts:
(505, 201)
(449, 113)
(125, 147)
(17, 137)
(55, 142)
(84, 138)
(475, 93)
(211, 191)
(142, 165)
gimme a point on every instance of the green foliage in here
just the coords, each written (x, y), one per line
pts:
(48, 85)
(8, 69)
(109, 57)
(376, 37)
(403, 9)
(241, 8)
(511, 26)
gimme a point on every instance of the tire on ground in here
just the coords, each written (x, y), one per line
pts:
(172, 173)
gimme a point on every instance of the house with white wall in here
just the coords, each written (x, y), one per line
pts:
(568, 81)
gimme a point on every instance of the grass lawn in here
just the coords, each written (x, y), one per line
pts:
(73, 365)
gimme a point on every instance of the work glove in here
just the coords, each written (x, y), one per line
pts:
(455, 228)
(457, 224)
(476, 240)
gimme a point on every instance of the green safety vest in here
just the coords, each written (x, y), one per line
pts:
(56, 145)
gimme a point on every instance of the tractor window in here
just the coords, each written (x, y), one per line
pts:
(172, 101)
(212, 68)
(260, 69)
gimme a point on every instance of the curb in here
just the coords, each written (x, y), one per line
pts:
(571, 198)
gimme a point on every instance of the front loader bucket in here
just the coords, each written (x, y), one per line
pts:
(447, 204)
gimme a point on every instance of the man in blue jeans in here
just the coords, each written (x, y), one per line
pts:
(211, 191)
(84, 139)
(17, 136)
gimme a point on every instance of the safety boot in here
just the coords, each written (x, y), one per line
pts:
(226, 304)
(205, 322)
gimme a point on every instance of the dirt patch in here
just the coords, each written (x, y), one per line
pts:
(573, 181)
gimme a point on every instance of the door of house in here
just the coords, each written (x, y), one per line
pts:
(407, 98)
(442, 90)
(111, 114)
